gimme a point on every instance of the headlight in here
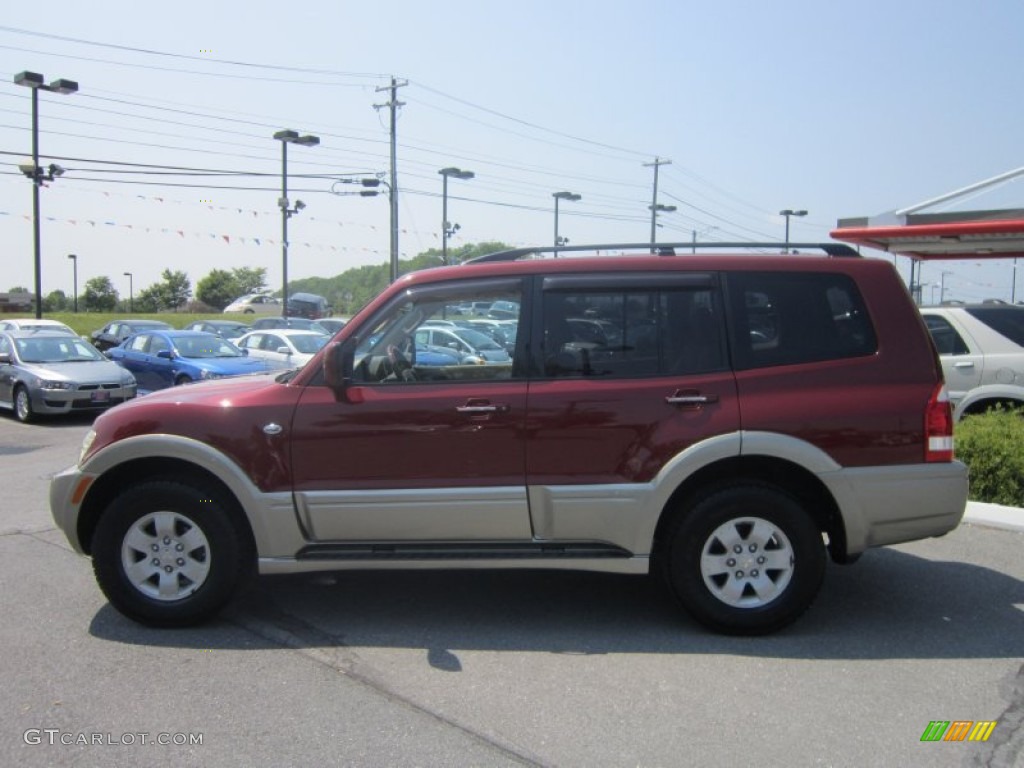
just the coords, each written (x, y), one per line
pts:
(204, 374)
(53, 384)
(86, 444)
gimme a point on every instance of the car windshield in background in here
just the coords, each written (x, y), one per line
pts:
(478, 339)
(206, 346)
(1006, 321)
(56, 350)
(308, 344)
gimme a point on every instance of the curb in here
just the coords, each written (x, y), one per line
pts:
(994, 516)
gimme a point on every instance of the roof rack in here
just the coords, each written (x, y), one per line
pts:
(661, 249)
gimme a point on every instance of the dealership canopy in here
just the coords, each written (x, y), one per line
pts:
(996, 234)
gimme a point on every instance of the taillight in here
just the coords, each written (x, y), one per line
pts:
(938, 426)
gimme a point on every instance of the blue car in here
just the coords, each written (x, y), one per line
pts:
(160, 359)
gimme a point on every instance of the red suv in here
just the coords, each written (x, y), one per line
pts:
(739, 418)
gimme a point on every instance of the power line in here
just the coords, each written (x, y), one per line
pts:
(154, 52)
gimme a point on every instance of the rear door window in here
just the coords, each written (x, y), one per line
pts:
(631, 326)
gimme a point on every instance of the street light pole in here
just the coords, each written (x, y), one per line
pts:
(942, 286)
(74, 263)
(787, 212)
(448, 229)
(286, 138)
(572, 197)
(655, 210)
(694, 232)
(131, 293)
(34, 81)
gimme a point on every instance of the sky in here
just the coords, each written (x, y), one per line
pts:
(844, 109)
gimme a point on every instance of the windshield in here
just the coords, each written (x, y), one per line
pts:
(477, 339)
(206, 346)
(308, 344)
(56, 350)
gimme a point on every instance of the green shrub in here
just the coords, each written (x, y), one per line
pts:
(992, 446)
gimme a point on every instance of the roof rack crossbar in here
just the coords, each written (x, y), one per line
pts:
(663, 249)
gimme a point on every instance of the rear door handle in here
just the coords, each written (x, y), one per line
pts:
(964, 364)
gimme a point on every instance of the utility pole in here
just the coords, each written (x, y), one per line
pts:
(658, 162)
(393, 104)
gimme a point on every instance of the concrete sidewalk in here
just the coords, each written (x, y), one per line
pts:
(994, 516)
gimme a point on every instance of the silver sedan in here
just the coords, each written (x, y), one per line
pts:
(47, 372)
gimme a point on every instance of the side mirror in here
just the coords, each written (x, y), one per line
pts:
(5, 358)
(338, 366)
(283, 351)
(166, 354)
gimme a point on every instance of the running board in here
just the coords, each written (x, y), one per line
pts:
(532, 550)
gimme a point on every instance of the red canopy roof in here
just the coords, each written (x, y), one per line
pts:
(965, 235)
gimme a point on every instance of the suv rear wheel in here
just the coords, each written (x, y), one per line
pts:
(168, 554)
(746, 559)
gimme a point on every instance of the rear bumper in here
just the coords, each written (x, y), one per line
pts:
(889, 505)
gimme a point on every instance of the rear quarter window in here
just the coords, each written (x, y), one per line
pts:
(1006, 321)
(787, 318)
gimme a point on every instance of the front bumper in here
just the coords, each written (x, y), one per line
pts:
(62, 401)
(67, 489)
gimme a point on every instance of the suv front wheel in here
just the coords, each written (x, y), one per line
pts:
(168, 554)
(746, 559)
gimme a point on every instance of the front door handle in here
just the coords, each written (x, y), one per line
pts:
(690, 397)
(478, 407)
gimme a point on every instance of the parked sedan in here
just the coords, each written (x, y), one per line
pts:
(49, 372)
(226, 329)
(254, 304)
(474, 346)
(283, 347)
(299, 323)
(332, 324)
(161, 359)
(116, 331)
(30, 324)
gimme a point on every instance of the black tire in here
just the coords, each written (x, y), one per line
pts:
(746, 559)
(183, 379)
(23, 405)
(201, 548)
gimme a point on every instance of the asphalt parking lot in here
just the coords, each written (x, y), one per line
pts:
(482, 669)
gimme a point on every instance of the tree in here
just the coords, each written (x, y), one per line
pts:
(218, 289)
(100, 295)
(352, 289)
(174, 291)
(147, 300)
(249, 279)
(56, 301)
